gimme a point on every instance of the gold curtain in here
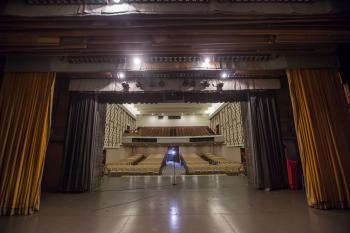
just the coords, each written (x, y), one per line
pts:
(25, 113)
(322, 125)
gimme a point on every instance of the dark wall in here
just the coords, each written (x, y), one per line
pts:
(285, 109)
(286, 120)
(54, 154)
(2, 66)
(344, 59)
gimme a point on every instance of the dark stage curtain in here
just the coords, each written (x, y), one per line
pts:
(82, 162)
(264, 149)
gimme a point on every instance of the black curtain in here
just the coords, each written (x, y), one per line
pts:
(266, 162)
(83, 153)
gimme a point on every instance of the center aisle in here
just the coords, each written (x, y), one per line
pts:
(168, 169)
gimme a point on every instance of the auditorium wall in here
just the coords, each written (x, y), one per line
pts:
(187, 120)
(229, 119)
(117, 121)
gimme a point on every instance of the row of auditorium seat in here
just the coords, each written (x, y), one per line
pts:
(150, 165)
(172, 131)
(196, 165)
(131, 160)
(215, 159)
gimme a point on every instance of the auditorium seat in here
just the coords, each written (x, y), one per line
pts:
(150, 165)
(196, 165)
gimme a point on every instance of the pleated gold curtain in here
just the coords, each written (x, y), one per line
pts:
(323, 131)
(25, 113)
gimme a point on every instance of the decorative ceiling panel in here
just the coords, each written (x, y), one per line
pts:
(168, 59)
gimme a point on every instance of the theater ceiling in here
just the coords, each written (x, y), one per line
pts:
(179, 36)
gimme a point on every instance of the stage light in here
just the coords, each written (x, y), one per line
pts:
(219, 86)
(125, 86)
(205, 63)
(224, 75)
(205, 83)
(137, 61)
(121, 75)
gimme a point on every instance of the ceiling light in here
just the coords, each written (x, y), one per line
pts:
(115, 1)
(136, 60)
(121, 75)
(206, 62)
(224, 75)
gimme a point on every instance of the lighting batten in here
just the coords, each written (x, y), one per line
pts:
(121, 75)
(224, 75)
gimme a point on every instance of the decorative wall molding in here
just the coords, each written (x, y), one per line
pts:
(229, 118)
(169, 59)
(117, 120)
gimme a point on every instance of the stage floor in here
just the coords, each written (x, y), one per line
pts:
(197, 204)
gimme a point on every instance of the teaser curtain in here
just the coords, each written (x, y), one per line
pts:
(83, 154)
(323, 132)
(25, 114)
(266, 162)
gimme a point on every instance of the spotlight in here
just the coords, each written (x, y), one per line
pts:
(219, 86)
(125, 86)
(224, 75)
(136, 61)
(121, 75)
(205, 63)
(205, 83)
